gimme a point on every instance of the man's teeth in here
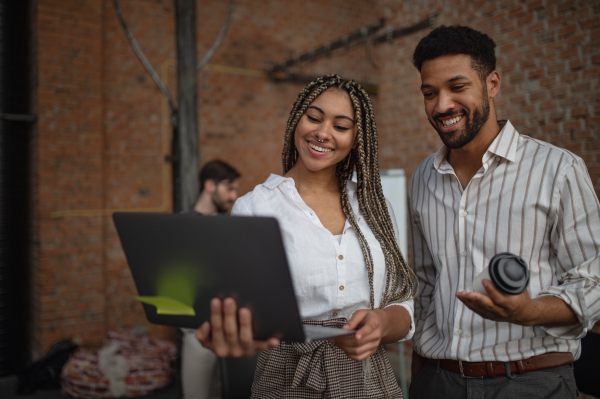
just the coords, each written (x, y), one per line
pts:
(451, 121)
(317, 148)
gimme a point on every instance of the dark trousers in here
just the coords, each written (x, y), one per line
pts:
(434, 382)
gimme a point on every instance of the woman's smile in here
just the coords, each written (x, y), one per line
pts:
(318, 149)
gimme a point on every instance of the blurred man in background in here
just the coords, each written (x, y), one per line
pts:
(219, 184)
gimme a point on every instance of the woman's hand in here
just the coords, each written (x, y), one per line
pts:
(374, 327)
(225, 337)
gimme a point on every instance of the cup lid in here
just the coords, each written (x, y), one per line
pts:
(509, 273)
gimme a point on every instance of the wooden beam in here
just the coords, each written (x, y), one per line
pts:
(185, 138)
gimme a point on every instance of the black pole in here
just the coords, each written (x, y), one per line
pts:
(15, 126)
(185, 134)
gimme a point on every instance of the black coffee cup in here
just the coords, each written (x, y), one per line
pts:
(507, 271)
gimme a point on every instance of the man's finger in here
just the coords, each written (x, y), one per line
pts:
(495, 296)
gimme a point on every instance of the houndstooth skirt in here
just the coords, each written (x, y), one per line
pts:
(319, 369)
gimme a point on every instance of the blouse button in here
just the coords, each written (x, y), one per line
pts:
(341, 257)
(341, 288)
(335, 313)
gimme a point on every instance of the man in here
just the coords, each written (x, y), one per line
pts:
(219, 184)
(490, 190)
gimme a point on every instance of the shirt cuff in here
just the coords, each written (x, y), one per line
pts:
(576, 301)
(408, 305)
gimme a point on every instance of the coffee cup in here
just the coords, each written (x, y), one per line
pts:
(508, 272)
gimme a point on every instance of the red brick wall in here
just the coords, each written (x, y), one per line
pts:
(98, 143)
(548, 55)
(99, 139)
(68, 279)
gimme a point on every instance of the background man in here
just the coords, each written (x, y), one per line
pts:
(490, 190)
(219, 184)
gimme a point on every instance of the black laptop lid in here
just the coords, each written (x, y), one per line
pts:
(191, 259)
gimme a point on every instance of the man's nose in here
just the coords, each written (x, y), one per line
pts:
(444, 103)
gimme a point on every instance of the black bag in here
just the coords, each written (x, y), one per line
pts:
(45, 373)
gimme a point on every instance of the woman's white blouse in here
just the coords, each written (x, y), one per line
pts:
(329, 277)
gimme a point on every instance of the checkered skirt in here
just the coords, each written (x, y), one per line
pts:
(322, 370)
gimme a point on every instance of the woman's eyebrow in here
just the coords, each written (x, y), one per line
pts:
(345, 117)
(317, 108)
(337, 116)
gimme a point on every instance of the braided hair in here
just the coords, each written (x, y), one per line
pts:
(363, 159)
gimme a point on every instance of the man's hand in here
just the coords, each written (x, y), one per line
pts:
(518, 309)
(225, 336)
(498, 306)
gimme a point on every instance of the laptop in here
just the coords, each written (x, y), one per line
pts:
(179, 262)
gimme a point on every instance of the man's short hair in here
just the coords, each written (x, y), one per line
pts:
(458, 39)
(217, 171)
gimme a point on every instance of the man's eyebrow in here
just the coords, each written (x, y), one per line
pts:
(457, 77)
(337, 116)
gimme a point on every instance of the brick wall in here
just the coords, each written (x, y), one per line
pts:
(99, 140)
(548, 55)
(103, 130)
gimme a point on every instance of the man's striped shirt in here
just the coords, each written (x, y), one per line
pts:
(529, 198)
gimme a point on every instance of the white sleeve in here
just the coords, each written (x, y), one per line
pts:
(240, 208)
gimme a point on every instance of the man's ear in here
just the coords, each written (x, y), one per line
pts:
(493, 84)
(209, 186)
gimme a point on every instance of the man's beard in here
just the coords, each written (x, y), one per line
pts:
(473, 124)
(219, 203)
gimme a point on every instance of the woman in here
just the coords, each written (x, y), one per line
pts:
(340, 238)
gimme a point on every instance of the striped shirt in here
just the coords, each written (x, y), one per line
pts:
(529, 198)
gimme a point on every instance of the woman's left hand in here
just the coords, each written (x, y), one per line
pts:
(374, 327)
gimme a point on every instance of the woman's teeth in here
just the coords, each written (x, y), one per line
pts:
(317, 148)
(451, 121)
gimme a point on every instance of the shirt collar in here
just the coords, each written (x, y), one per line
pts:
(275, 180)
(504, 145)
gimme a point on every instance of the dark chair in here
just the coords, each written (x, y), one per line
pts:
(237, 376)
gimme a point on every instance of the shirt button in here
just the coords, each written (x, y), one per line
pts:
(459, 332)
(464, 253)
(341, 288)
(335, 313)
(464, 213)
(497, 158)
(341, 257)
